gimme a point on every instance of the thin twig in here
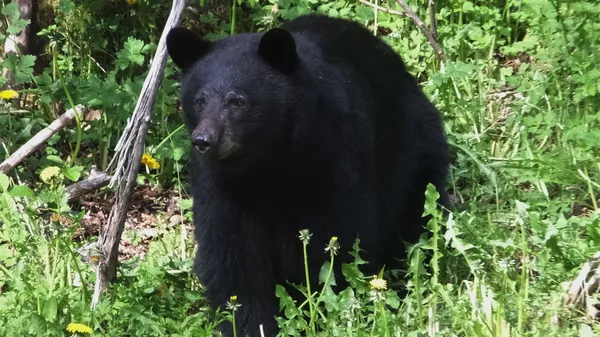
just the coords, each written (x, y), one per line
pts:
(430, 33)
(433, 21)
(382, 9)
(40, 138)
(431, 36)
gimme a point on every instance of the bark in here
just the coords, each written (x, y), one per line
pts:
(94, 181)
(19, 44)
(128, 154)
(36, 141)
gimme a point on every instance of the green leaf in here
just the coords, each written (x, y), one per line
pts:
(331, 300)
(22, 68)
(16, 26)
(324, 272)
(10, 9)
(178, 152)
(73, 173)
(130, 54)
(186, 204)
(4, 182)
(8, 203)
(55, 159)
(468, 6)
(50, 309)
(21, 191)
(431, 197)
(392, 300)
(66, 6)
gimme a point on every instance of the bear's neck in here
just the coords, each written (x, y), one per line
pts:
(305, 180)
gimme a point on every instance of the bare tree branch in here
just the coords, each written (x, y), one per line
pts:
(433, 21)
(128, 154)
(431, 36)
(430, 33)
(382, 9)
(40, 138)
(94, 181)
(583, 288)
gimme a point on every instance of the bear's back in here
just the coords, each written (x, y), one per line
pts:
(350, 42)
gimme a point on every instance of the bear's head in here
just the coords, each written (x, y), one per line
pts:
(238, 93)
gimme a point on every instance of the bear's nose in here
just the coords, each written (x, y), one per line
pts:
(202, 142)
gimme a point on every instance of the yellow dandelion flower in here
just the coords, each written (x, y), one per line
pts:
(232, 303)
(48, 173)
(131, 2)
(333, 245)
(8, 94)
(378, 284)
(150, 162)
(78, 327)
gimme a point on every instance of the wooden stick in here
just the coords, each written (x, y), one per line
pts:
(431, 36)
(94, 181)
(433, 21)
(40, 138)
(128, 154)
(586, 283)
(382, 9)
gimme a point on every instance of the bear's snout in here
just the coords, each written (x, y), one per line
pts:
(209, 139)
(203, 142)
(205, 138)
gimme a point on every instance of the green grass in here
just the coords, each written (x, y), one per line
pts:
(519, 95)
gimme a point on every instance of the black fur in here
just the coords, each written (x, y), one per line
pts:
(332, 135)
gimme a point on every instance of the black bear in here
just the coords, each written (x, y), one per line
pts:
(314, 125)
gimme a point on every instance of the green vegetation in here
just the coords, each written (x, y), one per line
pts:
(519, 93)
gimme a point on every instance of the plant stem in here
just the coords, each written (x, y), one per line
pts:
(306, 273)
(233, 17)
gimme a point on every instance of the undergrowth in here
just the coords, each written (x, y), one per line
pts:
(519, 96)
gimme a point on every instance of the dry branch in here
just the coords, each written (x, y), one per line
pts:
(128, 154)
(582, 290)
(433, 21)
(40, 138)
(382, 9)
(94, 181)
(430, 33)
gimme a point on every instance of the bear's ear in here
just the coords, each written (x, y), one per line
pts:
(278, 48)
(185, 47)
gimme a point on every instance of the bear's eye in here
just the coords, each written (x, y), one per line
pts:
(200, 103)
(238, 103)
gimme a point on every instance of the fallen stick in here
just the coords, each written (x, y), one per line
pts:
(40, 138)
(584, 287)
(94, 181)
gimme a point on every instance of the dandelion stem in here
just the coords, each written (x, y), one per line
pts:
(233, 322)
(310, 302)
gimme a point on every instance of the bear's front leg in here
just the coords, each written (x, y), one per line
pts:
(240, 265)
